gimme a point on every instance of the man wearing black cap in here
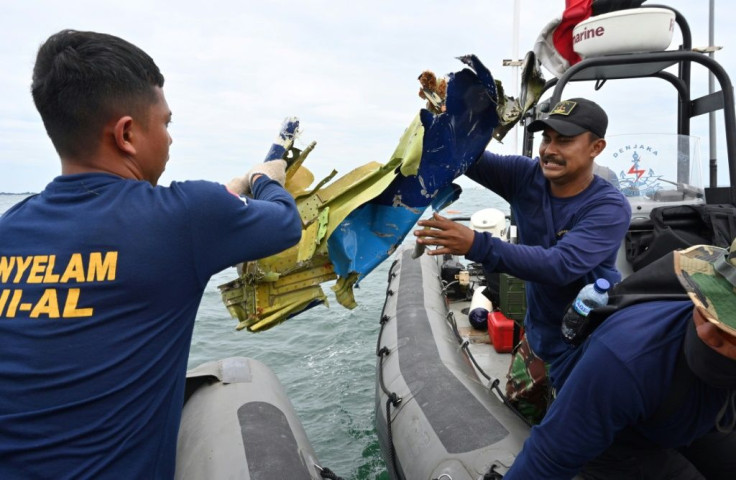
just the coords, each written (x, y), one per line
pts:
(570, 225)
(651, 394)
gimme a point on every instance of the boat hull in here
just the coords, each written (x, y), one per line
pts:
(237, 423)
(447, 422)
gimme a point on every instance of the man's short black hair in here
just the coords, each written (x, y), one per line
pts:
(82, 79)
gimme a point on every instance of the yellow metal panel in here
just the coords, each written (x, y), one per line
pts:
(409, 149)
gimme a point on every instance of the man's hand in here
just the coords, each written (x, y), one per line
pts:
(239, 186)
(273, 169)
(450, 237)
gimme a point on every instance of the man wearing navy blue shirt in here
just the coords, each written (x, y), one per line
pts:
(101, 274)
(570, 223)
(651, 394)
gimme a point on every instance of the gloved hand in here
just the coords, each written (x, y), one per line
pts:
(273, 169)
(239, 185)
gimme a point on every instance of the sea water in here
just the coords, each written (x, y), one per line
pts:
(324, 357)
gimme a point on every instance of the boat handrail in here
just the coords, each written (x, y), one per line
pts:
(723, 99)
(653, 65)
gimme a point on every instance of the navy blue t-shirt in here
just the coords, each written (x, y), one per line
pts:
(564, 243)
(100, 281)
(619, 377)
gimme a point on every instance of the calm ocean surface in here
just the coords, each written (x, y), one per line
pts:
(324, 357)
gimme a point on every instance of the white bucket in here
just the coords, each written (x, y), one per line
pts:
(489, 220)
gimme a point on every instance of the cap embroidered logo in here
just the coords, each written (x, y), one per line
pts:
(564, 108)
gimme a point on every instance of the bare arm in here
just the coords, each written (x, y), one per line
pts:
(449, 237)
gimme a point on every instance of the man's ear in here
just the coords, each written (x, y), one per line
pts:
(598, 146)
(714, 337)
(123, 132)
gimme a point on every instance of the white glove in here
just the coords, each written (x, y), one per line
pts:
(239, 185)
(274, 169)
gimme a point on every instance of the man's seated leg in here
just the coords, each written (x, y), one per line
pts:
(527, 388)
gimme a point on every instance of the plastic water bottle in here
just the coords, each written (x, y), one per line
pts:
(480, 306)
(575, 321)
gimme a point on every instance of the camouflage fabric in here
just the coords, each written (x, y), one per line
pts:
(527, 386)
(708, 274)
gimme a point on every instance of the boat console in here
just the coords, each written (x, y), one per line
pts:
(603, 68)
(657, 171)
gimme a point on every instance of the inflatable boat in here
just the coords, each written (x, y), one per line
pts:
(238, 423)
(436, 417)
(440, 410)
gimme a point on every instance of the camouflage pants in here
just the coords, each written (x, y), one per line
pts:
(527, 386)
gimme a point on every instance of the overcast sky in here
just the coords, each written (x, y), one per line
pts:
(235, 69)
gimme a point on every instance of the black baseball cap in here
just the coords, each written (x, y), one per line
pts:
(573, 117)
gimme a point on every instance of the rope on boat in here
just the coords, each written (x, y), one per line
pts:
(325, 472)
(465, 346)
(446, 285)
(393, 398)
(391, 450)
(494, 386)
(384, 317)
(382, 353)
(453, 323)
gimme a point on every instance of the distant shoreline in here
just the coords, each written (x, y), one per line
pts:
(17, 193)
